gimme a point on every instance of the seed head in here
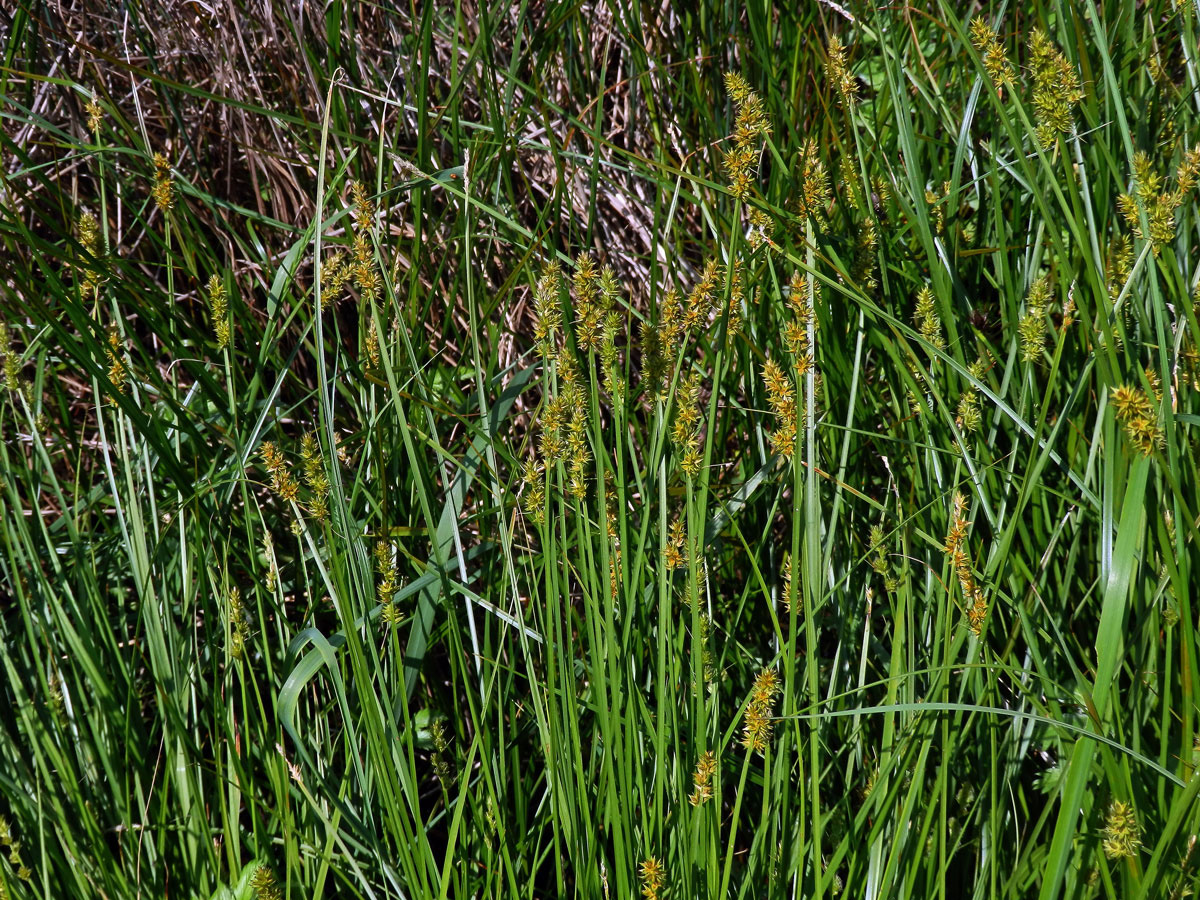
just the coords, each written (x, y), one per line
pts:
(756, 726)
(782, 400)
(737, 88)
(91, 264)
(1120, 831)
(364, 209)
(1032, 327)
(995, 59)
(264, 884)
(1056, 87)
(94, 114)
(976, 611)
(838, 71)
(218, 303)
(1138, 414)
(164, 184)
(702, 790)
(1188, 173)
(116, 365)
(958, 525)
(653, 877)
(674, 556)
(749, 130)
(759, 231)
(815, 193)
(927, 320)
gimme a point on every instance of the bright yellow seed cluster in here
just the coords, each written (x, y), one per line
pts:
(815, 195)
(749, 130)
(1120, 831)
(283, 482)
(702, 789)
(313, 470)
(969, 417)
(677, 319)
(838, 71)
(564, 419)
(218, 304)
(364, 269)
(1151, 197)
(927, 320)
(94, 114)
(956, 539)
(593, 293)
(385, 567)
(653, 877)
(1032, 327)
(760, 230)
(995, 59)
(781, 394)
(1056, 88)
(164, 184)
(564, 423)
(685, 432)
(91, 262)
(796, 334)
(675, 554)
(781, 397)
(533, 498)
(116, 365)
(701, 301)
(937, 207)
(360, 267)
(756, 729)
(1138, 413)
(547, 308)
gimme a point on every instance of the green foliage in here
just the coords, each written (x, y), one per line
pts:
(562, 450)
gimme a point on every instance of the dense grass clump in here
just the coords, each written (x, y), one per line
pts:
(559, 450)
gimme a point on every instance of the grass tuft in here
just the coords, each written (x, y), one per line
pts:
(585, 450)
